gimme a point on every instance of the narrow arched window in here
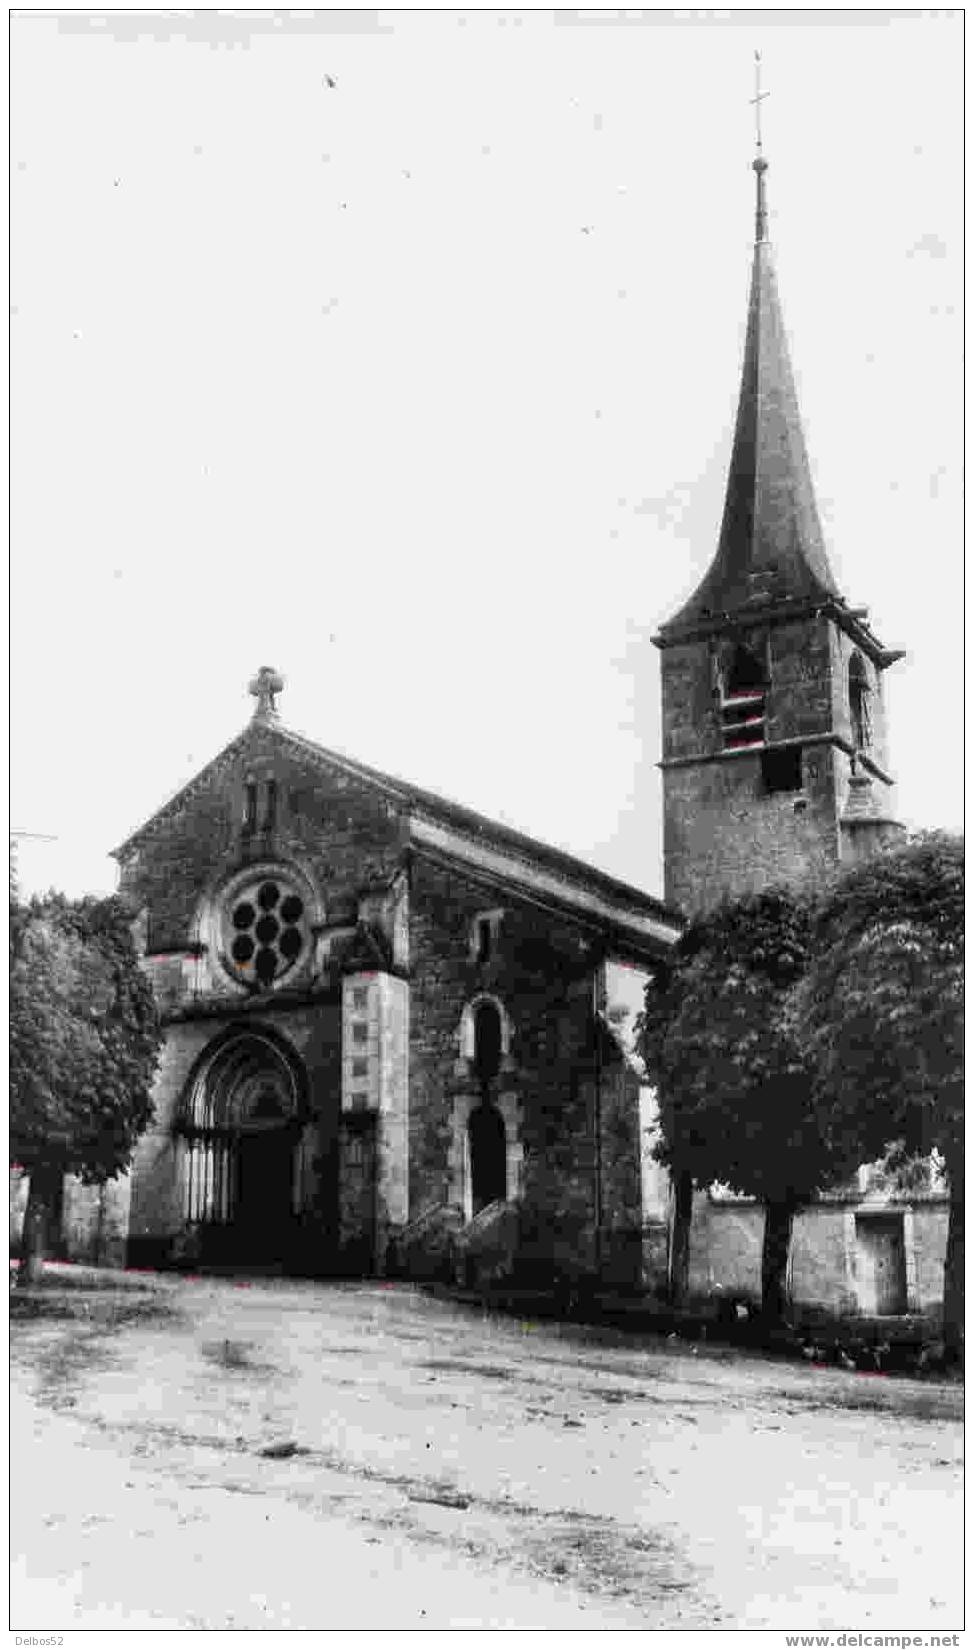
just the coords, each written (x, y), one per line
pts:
(487, 1041)
(250, 808)
(860, 708)
(270, 816)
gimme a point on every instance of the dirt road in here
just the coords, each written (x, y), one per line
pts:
(210, 1454)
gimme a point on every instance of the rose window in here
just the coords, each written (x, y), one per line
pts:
(266, 929)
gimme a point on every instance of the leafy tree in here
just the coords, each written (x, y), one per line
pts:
(84, 1041)
(735, 1093)
(880, 1015)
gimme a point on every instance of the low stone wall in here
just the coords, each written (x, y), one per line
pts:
(826, 1268)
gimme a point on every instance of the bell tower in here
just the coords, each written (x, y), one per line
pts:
(774, 732)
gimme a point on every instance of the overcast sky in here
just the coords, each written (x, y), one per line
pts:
(400, 351)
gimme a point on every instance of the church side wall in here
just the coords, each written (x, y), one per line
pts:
(541, 973)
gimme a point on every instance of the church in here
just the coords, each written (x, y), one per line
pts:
(389, 1048)
(385, 1026)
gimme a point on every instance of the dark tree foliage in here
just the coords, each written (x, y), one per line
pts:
(880, 1017)
(84, 1042)
(735, 1093)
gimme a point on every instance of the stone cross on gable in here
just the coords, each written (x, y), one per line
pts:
(265, 687)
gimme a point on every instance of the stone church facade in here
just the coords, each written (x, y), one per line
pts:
(387, 1041)
(385, 1028)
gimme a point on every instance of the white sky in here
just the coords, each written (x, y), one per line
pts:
(420, 388)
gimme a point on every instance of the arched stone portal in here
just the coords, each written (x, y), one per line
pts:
(243, 1139)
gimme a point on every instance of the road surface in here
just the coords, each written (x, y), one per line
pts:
(211, 1454)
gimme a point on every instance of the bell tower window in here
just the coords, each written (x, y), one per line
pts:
(860, 708)
(742, 700)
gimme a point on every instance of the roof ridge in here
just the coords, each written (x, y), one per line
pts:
(463, 819)
(417, 796)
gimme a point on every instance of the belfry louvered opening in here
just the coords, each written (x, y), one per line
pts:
(742, 700)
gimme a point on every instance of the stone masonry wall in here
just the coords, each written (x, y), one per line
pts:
(723, 835)
(541, 972)
(929, 1253)
(342, 833)
(725, 1253)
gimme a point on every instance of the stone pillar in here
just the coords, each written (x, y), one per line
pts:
(458, 1154)
(375, 1079)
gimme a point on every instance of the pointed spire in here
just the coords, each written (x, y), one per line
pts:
(771, 547)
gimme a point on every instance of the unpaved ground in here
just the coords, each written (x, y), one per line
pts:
(442, 1468)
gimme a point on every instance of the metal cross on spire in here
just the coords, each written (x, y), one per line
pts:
(757, 100)
(759, 163)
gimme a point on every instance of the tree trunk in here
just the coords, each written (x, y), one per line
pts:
(954, 1279)
(778, 1221)
(42, 1200)
(680, 1239)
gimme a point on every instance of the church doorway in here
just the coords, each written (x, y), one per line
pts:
(241, 1134)
(488, 1156)
(264, 1202)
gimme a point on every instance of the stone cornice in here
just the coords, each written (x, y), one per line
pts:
(848, 619)
(835, 739)
(214, 1007)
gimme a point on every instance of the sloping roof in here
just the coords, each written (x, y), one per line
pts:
(771, 548)
(469, 826)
